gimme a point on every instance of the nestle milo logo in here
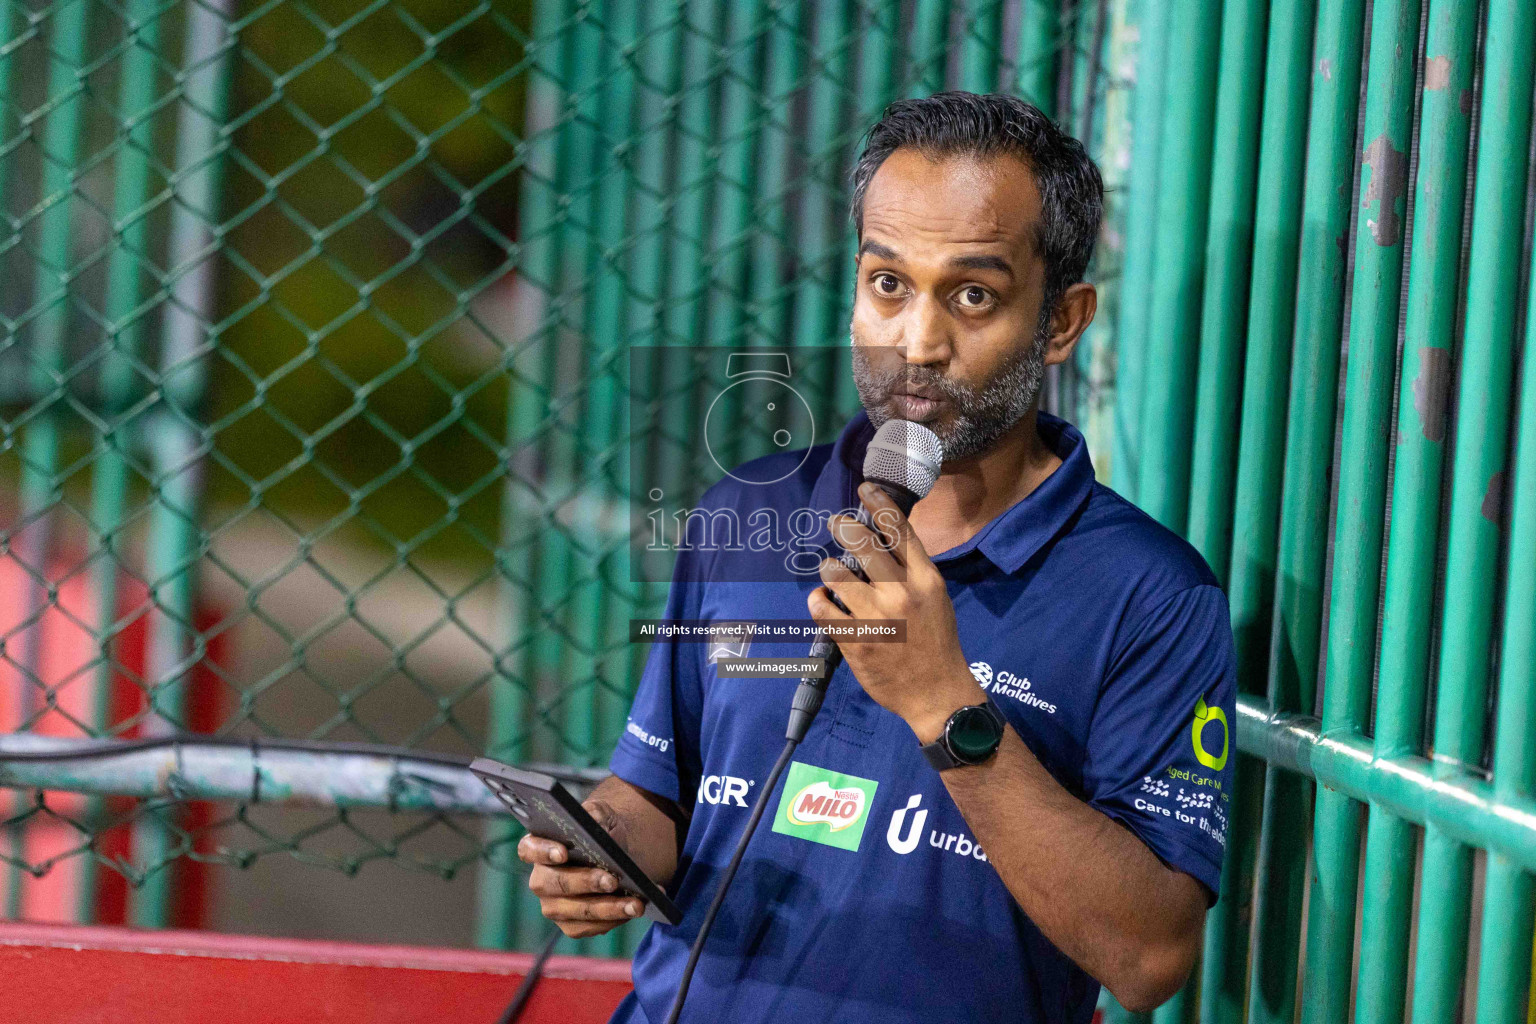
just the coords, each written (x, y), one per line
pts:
(824, 806)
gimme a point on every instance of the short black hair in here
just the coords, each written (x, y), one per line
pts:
(971, 124)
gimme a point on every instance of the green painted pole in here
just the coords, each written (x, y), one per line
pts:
(567, 638)
(174, 440)
(1294, 652)
(1098, 423)
(660, 69)
(1251, 570)
(688, 255)
(30, 539)
(1325, 216)
(1140, 244)
(1229, 244)
(1039, 39)
(602, 607)
(1477, 481)
(109, 486)
(1504, 974)
(929, 47)
(1361, 501)
(773, 246)
(979, 46)
(1428, 331)
(500, 886)
(738, 139)
(819, 291)
(1167, 413)
(1228, 253)
(1271, 317)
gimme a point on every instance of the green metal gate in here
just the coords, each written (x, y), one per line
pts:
(332, 297)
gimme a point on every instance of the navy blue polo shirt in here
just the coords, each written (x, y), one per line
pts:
(864, 896)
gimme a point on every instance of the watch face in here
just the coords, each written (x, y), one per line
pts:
(973, 734)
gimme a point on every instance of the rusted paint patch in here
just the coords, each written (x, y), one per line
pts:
(1325, 68)
(1430, 388)
(1437, 73)
(1388, 184)
(1493, 500)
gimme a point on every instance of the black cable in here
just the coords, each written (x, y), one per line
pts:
(725, 880)
(525, 990)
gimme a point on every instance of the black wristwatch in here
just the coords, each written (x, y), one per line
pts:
(971, 735)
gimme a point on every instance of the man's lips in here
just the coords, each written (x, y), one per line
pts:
(916, 407)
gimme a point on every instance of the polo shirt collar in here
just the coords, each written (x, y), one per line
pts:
(1013, 537)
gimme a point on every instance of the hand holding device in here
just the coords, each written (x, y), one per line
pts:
(586, 882)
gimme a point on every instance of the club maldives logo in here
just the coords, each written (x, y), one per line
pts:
(1006, 684)
(824, 806)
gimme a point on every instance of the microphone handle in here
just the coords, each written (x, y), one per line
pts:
(813, 689)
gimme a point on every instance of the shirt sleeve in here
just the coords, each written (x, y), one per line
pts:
(1161, 751)
(659, 749)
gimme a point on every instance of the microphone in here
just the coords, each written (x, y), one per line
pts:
(903, 460)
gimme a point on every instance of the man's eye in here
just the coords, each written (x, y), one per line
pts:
(886, 284)
(974, 297)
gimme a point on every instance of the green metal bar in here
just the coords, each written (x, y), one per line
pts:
(772, 246)
(979, 45)
(1228, 251)
(30, 540)
(1098, 423)
(1271, 313)
(175, 436)
(929, 47)
(1504, 974)
(736, 191)
(52, 285)
(600, 609)
(1410, 786)
(1167, 412)
(502, 903)
(1039, 28)
(570, 692)
(818, 293)
(1482, 426)
(1140, 244)
(688, 255)
(1287, 65)
(109, 486)
(1366, 422)
(1428, 332)
(1114, 1013)
(1294, 658)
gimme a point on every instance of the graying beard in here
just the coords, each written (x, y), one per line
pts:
(983, 417)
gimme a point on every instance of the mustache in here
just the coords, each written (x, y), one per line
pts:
(906, 377)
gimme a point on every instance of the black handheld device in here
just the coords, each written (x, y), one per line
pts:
(549, 811)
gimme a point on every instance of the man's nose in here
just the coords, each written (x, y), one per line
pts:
(927, 336)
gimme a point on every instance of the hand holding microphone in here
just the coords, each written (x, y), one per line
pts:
(903, 460)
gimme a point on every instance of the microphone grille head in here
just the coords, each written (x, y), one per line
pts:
(905, 454)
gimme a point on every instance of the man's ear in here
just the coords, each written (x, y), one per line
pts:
(1074, 312)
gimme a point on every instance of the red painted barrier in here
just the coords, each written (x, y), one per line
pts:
(60, 702)
(65, 974)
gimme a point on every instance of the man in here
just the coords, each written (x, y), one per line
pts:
(1000, 875)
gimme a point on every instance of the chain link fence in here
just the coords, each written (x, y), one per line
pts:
(313, 398)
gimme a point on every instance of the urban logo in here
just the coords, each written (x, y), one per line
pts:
(950, 842)
(824, 806)
(1203, 716)
(1006, 684)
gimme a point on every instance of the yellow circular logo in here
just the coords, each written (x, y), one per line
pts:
(1203, 714)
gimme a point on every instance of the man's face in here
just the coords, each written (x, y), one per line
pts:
(947, 326)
